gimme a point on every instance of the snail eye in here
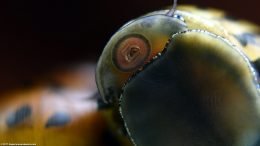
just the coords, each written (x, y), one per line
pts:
(131, 52)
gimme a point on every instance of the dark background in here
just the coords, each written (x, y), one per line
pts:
(37, 36)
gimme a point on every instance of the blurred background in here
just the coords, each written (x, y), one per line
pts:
(37, 36)
(48, 94)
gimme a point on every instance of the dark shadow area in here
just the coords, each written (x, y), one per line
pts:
(38, 35)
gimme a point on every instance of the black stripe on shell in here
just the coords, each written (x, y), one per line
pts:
(19, 116)
(58, 119)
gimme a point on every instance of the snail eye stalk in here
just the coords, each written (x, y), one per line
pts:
(171, 12)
